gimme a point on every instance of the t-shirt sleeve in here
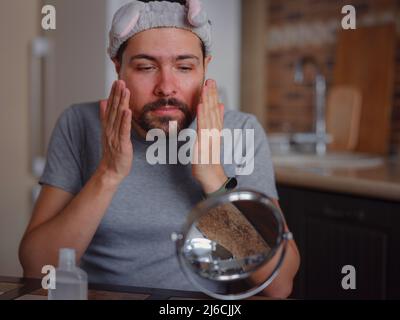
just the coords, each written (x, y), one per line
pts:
(63, 167)
(259, 175)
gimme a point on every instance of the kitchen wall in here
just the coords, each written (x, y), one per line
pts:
(77, 61)
(309, 27)
(21, 17)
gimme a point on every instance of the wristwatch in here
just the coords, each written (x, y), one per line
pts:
(230, 184)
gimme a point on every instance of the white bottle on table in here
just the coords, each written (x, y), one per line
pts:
(71, 281)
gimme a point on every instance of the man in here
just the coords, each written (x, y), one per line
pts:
(100, 194)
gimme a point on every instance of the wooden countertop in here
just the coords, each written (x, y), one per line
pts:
(30, 289)
(381, 182)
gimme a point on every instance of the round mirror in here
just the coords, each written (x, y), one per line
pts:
(232, 245)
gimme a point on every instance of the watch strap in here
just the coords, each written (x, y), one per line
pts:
(229, 184)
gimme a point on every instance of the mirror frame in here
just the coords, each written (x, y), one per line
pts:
(229, 197)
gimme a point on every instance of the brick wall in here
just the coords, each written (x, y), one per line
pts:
(309, 27)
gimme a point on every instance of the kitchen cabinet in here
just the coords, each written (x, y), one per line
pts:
(333, 230)
(357, 66)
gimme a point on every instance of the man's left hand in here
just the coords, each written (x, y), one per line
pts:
(206, 167)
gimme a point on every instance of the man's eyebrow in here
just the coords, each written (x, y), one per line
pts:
(142, 56)
(187, 56)
(151, 58)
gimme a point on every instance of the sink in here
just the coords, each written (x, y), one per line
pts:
(330, 160)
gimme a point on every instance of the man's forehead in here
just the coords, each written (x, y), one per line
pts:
(166, 40)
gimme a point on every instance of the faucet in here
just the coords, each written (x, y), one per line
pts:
(321, 137)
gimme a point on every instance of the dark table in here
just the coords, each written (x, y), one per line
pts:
(31, 289)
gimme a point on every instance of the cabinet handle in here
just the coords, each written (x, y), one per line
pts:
(39, 52)
(40, 69)
(358, 215)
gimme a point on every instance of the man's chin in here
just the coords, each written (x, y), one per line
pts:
(169, 125)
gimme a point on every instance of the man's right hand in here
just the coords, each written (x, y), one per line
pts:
(116, 122)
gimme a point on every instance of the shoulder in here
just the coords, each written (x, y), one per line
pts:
(245, 122)
(80, 115)
(240, 120)
(87, 110)
(78, 121)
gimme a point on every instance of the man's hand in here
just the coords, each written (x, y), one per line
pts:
(116, 121)
(210, 116)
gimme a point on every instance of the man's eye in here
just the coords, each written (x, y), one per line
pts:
(185, 68)
(146, 68)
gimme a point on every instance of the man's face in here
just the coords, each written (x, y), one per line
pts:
(164, 70)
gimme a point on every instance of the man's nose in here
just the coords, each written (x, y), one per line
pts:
(165, 84)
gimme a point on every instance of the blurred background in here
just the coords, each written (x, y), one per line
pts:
(328, 98)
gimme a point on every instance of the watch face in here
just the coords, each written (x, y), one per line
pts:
(232, 183)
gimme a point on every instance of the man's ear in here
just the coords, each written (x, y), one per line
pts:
(207, 60)
(117, 65)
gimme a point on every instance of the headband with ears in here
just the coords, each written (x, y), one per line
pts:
(137, 16)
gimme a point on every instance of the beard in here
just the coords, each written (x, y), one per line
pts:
(148, 121)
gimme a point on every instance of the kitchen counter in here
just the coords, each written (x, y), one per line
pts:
(380, 182)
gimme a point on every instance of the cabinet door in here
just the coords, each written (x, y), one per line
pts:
(335, 230)
(290, 203)
(330, 246)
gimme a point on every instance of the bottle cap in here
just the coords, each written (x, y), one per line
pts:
(66, 258)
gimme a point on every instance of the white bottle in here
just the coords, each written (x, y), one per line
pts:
(71, 281)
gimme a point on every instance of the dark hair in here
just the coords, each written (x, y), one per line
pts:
(125, 44)
(120, 51)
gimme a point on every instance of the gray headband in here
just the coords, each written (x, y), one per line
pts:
(137, 16)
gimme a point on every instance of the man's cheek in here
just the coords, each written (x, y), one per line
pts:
(137, 111)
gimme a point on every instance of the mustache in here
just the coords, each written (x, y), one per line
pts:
(146, 122)
(153, 106)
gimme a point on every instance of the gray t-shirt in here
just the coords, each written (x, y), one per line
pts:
(132, 245)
